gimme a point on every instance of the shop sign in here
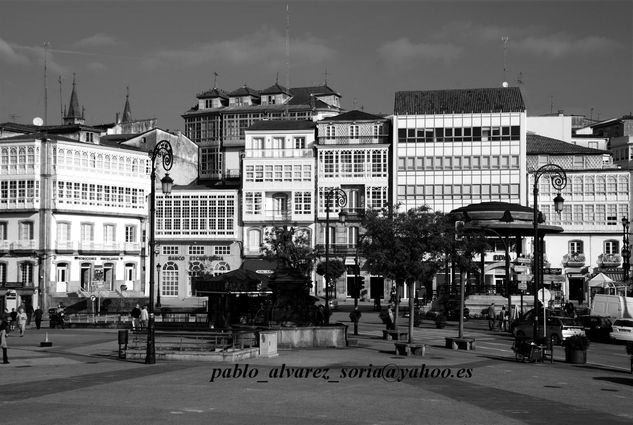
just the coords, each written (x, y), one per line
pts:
(522, 286)
(520, 269)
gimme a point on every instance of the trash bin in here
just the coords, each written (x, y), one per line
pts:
(123, 338)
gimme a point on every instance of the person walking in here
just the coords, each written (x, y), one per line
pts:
(505, 317)
(136, 317)
(29, 314)
(14, 317)
(3, 341)
(144, 317)
(21, 320)
(492, 316)
(38, 313)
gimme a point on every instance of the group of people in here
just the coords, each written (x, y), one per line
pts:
(498, 321)
(140, 317)
(15, 319)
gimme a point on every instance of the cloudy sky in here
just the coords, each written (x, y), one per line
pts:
(571, 55)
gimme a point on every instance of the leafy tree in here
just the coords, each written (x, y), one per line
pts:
(290, 247)
(335, 269)
(406, 246)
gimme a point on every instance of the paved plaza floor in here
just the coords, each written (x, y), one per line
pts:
(80, 380)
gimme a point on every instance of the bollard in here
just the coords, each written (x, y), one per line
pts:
(123, 339)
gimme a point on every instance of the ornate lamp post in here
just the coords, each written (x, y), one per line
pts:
(559, 181)
(338, 196)
(158, 266)
(161, 150)
(626, 250)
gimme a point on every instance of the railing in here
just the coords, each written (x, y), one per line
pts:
(609, 260)
(574, 260)
(105, 246)
(338, 249)
(30, 244)
(279, 153)
(276, 216)
(132, 246)
(65, 245)
(353, 140)
(5, 245)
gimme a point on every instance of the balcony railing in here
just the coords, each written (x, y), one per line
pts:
(574, 260)
(132, 246)
(276, 216)
(279, 153)
(609, 260)
(353, 140)
(100, 246)
(5, 245)
(65, 245)
(24, 245)
(338, 248)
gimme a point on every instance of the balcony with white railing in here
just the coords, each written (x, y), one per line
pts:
(279, 153)
(107, 247)
(5, 246)
(275, 216)
(609, 260)
(574, 260)
(64, 246)
(24, 245)
(358, 140)
(130, 247)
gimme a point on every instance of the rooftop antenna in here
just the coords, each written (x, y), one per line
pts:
(520, 78)
(215, 80)
(325, 74)
(551, 104)
(46, 46)
(287, 54)
(505, 49)
(61, 107)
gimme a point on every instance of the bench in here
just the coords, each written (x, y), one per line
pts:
(467, 344)
(404, 349)
(395, 335)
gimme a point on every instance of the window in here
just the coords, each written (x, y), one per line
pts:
(63, 231)
(576, 247)
(300, 142)
(130, 233)
(169, 280)
(611, 247)
(3, 272)
(26, 231)
(130, 273)
(109, 235)
(26, 273)
(170, 250)
(222, 250)
(196, 250)
(353, 131)
(3, 230)
(330, 133)
(302, 203)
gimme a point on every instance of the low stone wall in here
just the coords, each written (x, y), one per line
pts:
(312, 337)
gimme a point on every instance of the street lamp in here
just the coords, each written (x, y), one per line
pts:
(626, 249)
(158, 266)
(161, 150)
(338, 196)
(559, 181)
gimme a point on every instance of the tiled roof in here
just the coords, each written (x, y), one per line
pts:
(213, 93)
(282, 125)
(275, 89)
(303, 95)
(244, 91)
(354, 115)
(541, 145)
(460, 101)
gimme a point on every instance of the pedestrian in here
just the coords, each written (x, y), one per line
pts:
(21, 320)
(60, 315)
(3, 341)
(136, 317)
(354, 316)
(144, 317)
(14, 317)
(29, 314)
(393, 294)
(492, 316)
(505, 317)
(38, 313)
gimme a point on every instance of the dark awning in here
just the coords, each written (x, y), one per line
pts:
(238, 281)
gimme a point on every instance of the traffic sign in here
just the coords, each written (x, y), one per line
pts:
(524, 277)
(520, 269)
(92, 298)
(522, 286)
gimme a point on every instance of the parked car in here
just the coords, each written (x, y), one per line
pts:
(333, 302)
(558, 328)
(597, 328)
(622, 330)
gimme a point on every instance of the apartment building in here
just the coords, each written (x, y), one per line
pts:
(597, 197)
(352, 154)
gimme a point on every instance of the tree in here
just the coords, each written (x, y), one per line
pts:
(406, 246)
(290, 247)
(335, 269)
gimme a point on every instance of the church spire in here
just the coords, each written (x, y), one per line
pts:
(127, 112)
(74, 114)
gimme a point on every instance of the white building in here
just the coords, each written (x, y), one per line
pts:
(458, 147)
(278, 185)
(352, 155)
(597, 197)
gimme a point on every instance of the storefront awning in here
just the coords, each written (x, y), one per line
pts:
(238, 281)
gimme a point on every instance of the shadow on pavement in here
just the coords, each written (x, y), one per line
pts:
(615, 380)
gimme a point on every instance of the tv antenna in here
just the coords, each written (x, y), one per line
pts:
(505, 49)
(46, 46)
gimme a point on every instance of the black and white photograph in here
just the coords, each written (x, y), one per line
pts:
(372, 212)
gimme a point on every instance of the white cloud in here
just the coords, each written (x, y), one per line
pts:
(97, 40)
(9, 55)
(403, 51)
(265, 48)
(560, 44)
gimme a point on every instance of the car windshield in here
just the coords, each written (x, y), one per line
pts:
(627, 323)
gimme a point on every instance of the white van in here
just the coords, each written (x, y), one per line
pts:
(614, 306)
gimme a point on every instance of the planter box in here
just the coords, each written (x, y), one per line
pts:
(576, 356)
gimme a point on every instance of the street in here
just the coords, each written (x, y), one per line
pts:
(80, 380)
